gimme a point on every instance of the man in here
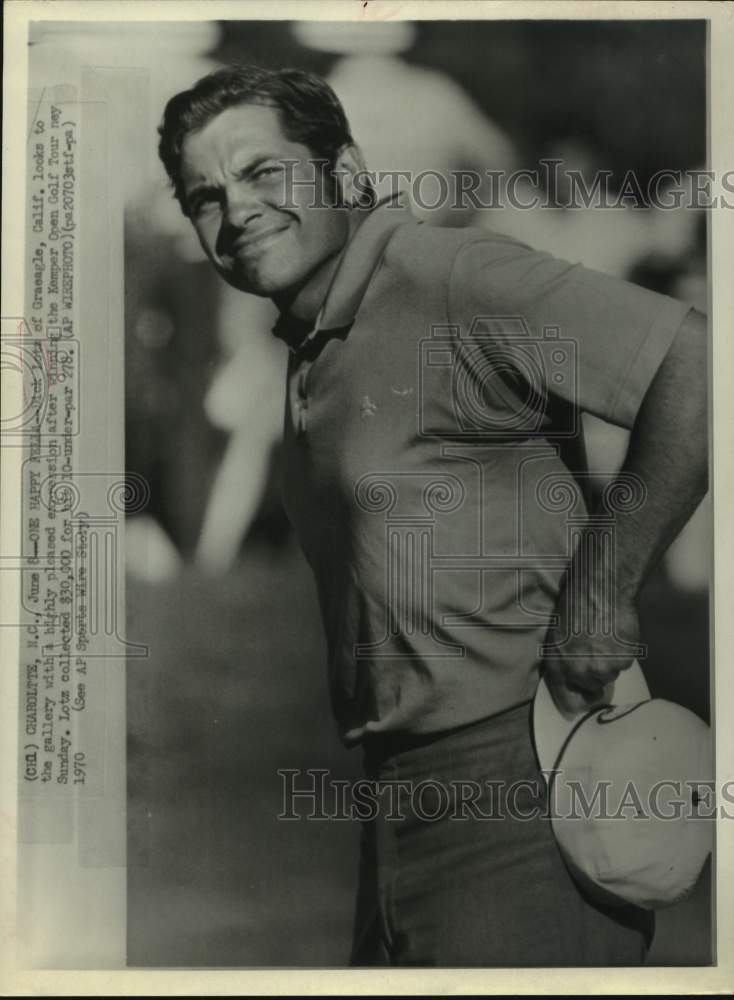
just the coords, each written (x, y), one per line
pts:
(435, 378)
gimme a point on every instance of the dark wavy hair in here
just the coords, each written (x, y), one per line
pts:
(310, 112)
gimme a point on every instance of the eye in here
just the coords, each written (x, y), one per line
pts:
(201, 204)
(268, 171)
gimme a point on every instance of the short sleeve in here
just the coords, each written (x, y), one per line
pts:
(620, 333)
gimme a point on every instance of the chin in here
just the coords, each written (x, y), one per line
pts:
(266, 282)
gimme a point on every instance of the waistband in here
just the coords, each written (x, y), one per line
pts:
(380, 747)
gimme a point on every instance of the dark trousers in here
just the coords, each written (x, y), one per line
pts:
(465, 890)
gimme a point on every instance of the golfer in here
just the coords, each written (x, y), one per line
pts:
(435, 382)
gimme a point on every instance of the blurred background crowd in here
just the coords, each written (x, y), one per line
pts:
(235, 684)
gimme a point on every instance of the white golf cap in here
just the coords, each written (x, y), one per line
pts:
(631, 792)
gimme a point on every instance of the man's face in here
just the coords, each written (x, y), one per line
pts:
(256, 228)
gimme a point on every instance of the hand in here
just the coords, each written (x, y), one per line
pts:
(581, 671)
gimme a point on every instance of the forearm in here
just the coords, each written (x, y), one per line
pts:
(598, 626)
(668, 453)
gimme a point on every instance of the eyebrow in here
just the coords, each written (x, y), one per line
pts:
(202, 187)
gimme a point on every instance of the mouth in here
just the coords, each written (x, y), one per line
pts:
(253, 243)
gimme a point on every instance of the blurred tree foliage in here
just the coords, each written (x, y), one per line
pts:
(635, 91)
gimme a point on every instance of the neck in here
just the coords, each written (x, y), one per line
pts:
(304, 301)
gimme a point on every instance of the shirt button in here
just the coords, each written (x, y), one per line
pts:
(301, 408)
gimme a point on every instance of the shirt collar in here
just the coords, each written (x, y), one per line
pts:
(357, 265)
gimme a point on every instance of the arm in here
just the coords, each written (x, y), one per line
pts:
(668, 452)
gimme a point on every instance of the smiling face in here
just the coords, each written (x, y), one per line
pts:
(251, 212)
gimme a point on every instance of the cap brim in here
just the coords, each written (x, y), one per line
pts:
(551, 729)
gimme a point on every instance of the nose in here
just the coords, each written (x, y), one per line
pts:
(240, 208)
(241, 205)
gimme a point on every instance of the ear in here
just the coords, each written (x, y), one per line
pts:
(352, 180)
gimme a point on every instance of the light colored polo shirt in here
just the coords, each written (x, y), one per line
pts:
(425, 424)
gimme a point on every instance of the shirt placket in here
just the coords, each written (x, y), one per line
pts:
(299, 397)
(299, 383)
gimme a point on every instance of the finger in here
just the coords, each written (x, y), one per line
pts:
(569, 703)
(588, 676)
(585, 675)
(571, 700)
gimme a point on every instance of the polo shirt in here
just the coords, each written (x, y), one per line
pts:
(427, 420)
